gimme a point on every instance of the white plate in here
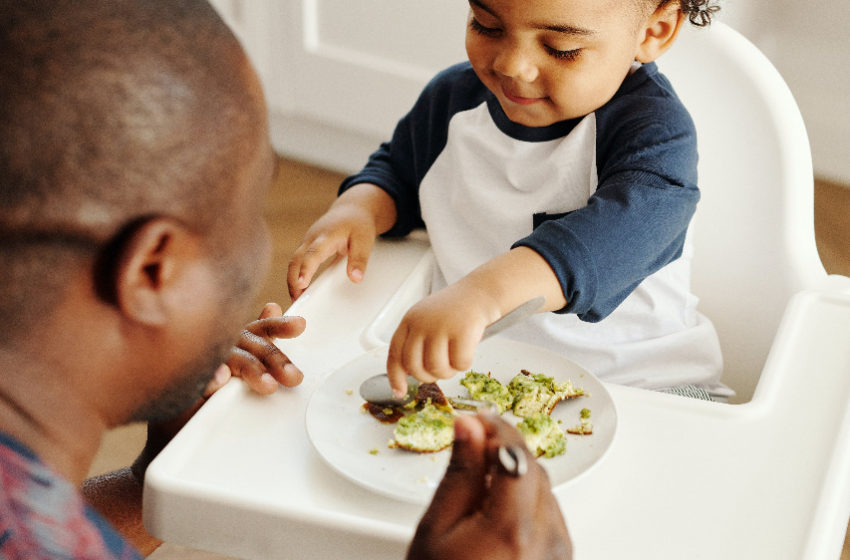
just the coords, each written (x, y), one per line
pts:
(355, 444)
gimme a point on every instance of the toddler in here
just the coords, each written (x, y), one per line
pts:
(559, 162)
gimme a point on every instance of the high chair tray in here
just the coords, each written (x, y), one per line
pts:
(683, 478)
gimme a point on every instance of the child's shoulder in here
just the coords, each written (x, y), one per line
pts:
(456, 79)
(457, 88)
(646, 93)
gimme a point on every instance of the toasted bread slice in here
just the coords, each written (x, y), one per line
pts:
(483, 387)
(542, 435)
(537, 393)
(427, 431)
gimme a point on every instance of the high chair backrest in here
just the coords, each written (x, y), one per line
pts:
(753, 235)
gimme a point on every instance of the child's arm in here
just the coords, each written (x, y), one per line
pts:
(349, 227)
(437, 337)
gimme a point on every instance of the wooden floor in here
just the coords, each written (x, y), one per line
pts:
(304, 192)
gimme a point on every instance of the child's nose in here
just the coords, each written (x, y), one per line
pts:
(513, 62)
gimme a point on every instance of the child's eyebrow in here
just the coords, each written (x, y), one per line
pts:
(565, 29)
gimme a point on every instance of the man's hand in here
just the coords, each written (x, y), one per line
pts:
(256, 359)
(482, 511)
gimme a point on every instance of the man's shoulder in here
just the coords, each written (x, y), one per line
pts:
(42, 515)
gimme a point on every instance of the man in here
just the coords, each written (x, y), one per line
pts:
(134, 163)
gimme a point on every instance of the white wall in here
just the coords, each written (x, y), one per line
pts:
(809, 42)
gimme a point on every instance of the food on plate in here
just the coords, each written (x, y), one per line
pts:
(384, 414)
(425, 431)
(483, 387)
(542, 435)
(431, 392)
(585, 426)
(535, 393)
(425, 393)
(426, 424)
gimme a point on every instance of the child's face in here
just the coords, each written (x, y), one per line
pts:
(552, 60)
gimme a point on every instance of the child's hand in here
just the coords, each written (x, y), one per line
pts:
(349, 228)
(256, 359)
(437, 337)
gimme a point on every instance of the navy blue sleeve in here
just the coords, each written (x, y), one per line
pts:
(636, 221)
(399, 165)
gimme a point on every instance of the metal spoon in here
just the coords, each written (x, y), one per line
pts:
(376, 389)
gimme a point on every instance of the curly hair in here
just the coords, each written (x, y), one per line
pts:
(699, 12)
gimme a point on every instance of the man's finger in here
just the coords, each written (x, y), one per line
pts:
(461, 489)
(271, 309)
(507, 490)
(245, 365)
(271, 359)
(288, 326)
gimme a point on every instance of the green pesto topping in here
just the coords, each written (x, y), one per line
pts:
(373, 451)
(585, 413)
(542, 435)
(430, 429)
(535, 393)
(482, 387)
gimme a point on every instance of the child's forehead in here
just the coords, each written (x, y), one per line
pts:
(559, 12)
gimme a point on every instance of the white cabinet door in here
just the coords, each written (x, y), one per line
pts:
(344, 71)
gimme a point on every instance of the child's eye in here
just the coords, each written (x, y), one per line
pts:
(563, 55)
(476, 26)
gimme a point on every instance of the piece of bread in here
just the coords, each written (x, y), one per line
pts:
(537, 393)
(542, 435)
(426, 431)
(483, 387)
(585, 426)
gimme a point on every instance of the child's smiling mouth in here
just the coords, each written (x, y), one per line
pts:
(520, 100)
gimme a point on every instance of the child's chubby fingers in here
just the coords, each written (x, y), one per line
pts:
(359, 248)
(399, 360)
(461, 352)
(435, 357)
(306, 261)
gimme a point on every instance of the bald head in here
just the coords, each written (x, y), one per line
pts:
(113, 112)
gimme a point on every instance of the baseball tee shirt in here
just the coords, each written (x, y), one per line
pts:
(605, 199)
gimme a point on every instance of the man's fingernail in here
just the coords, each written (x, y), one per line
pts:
(292, 371)
(461, 429)
(357, 275)
(222, 374)
(267, 379)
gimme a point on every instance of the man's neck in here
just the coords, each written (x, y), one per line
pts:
(41, 411)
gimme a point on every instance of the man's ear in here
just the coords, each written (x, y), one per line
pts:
(660, 32)
(151, 260)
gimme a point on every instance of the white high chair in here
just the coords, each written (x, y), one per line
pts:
(684, 478)
(753, 234)
(754, 237)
